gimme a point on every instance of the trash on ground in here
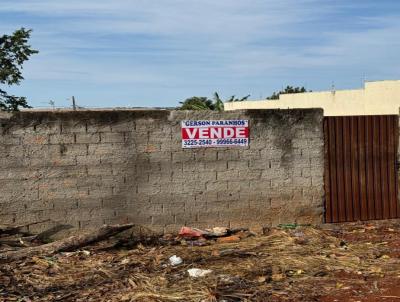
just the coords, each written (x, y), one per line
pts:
(233, 238)
(218, 231)
(197, 272)
(175, 260)
(187, 232)
(333, 262)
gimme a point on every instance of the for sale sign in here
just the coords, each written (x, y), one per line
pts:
(225, 133)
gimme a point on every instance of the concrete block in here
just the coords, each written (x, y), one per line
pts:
(249, 154)
(163, 220)
(18, 173)
(205, 155)
(87, 138)
(102, 149)
(173, 207)
(238, 165)
(123, 126)
(156, 157)
(114, 202)
(216, 186)
(88, 160)
(238, 186)
(61, 204)
(198, 206)
(227, 196)
(249, 174)
(160, 178)
(184, 219)
(8, 219)
(228, 155)
(65, 138)
(47, 128)
(216, 206)
(302, 181)
(149, 148)
(259, 185)
(73, 150)
(208, 217)
(103, 169)
(216, 166)
(95, 127)
(10, 140)
(34, 139)
(37, 162)
(192, 166)
(206, 196)
(99, 192)
(227, 175)
(71, 126)
(112, 137)
(149, 189)
(183, 156)
(260, 164)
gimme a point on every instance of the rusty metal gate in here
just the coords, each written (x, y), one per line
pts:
(361, 181)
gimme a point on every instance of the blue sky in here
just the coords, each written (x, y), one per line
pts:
(159, 52)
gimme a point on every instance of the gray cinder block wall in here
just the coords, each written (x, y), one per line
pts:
(87, 168)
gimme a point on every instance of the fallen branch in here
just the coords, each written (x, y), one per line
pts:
(46, 235)
(26, 239)
(65, 245)
(16, 241)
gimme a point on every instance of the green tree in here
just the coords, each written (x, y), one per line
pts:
(204, 103)
(218, 103)
(288, 89)
(14, 51)
(197, 103)
(234, 99)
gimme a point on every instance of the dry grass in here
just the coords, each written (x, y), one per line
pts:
(285, 265)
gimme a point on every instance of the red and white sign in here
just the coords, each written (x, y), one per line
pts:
(224, 133)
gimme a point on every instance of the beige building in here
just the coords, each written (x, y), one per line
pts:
(376, 98)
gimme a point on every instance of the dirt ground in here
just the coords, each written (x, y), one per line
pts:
(350, 262)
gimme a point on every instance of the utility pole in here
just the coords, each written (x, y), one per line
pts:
(73, 103)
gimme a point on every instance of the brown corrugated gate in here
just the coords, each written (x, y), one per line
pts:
(361, 181)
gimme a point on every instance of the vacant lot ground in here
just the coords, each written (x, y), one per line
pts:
(351, 262)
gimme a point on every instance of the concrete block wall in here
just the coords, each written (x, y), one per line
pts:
(87, 168)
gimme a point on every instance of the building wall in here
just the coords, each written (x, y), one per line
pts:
(87, 168)
(376, 98)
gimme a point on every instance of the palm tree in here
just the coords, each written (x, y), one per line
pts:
(218, 103)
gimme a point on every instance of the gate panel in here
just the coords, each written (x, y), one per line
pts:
(361, 181)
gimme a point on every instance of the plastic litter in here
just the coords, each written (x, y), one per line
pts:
(219, 231)
(197, 272)
(188, 232)
(229, 239)
(175, 260)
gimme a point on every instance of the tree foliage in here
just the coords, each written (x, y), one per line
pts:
(234, 99)
(287, 90)
(204, 103)
(218, 103)
(197, 103)
(14, 51)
